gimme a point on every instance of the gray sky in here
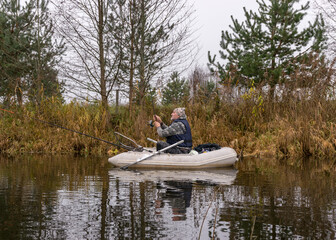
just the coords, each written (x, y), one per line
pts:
(213, 16)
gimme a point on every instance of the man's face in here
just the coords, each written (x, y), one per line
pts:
(174, 116)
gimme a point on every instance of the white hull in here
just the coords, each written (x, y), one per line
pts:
(224, 157)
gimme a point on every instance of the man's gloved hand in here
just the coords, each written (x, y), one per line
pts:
(156, 118)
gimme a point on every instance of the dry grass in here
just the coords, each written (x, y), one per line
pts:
(295, 126)
(293, 134)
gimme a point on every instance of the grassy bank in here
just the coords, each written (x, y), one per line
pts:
(292, 130)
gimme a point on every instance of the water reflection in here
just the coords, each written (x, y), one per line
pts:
(48, 197)
(159, 206)
(177, 195)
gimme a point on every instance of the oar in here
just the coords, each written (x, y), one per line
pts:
(151, 155)
(149, 139)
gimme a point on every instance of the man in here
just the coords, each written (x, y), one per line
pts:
(178, 130)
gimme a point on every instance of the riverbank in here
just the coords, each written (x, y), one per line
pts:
(292, 131)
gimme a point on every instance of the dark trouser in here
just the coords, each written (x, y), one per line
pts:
(174, 150)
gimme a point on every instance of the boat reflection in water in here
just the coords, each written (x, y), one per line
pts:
(174, 188)
(224, 176)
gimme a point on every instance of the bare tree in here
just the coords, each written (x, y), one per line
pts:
(125, 24)
(156, 37)
(92, 62)
(328, 10)
(198, 78)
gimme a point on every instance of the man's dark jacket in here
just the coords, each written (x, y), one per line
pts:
(186, 136)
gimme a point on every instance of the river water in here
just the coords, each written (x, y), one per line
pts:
(62, 197)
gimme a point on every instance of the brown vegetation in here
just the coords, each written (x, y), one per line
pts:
(300, 123)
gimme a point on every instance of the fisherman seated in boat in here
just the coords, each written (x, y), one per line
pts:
(178, 130)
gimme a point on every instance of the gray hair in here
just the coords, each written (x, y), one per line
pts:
(180, 112)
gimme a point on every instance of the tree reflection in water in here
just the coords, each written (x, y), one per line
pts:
(49, 197)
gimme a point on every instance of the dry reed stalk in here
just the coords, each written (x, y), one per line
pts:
(215, 221)
(206, 213)
(252, 230)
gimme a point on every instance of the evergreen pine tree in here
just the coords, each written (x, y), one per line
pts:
(14, 48)
(269, 44)
(175, 91)
(28, 52)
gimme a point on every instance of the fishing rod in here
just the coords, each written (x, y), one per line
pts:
(151, 122)
(153, 106)
(84, 134)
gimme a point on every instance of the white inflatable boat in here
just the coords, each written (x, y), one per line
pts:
(224, 157)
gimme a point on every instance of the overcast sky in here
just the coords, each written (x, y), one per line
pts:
(213, 16)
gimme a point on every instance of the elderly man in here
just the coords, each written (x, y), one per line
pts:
(178, 130)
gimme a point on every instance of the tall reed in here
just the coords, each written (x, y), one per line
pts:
(297, 124)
